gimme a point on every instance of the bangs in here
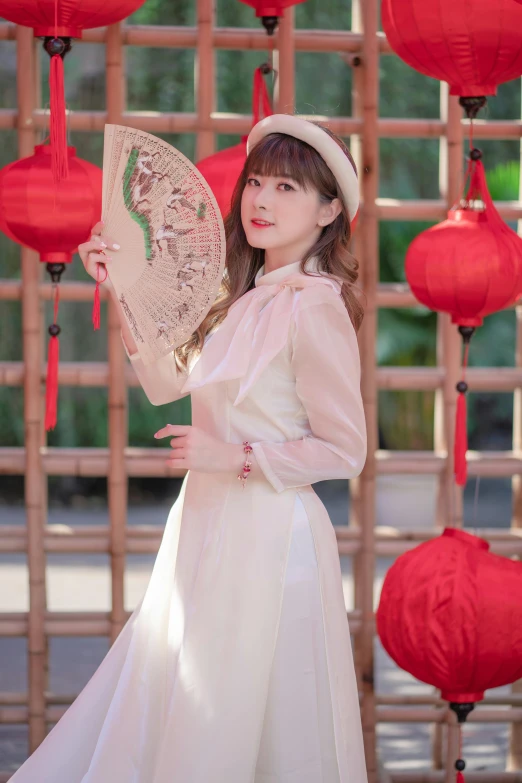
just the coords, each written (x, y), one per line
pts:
(280, 155)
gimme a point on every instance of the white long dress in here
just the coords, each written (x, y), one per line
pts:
(236, 666)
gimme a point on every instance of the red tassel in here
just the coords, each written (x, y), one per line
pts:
(460, 778)
(51, 392)
(260, 98)
(461, 442)
(60, 163)
(96, 304)
(53, 357)
(96, 307)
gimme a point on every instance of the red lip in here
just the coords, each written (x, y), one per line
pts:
(261, 225)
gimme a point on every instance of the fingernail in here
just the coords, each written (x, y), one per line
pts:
(102, 244)
(116, 247)
(155, 434)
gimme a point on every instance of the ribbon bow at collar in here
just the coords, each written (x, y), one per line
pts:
(252, 334)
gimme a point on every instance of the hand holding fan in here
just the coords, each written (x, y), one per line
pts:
(161, 211)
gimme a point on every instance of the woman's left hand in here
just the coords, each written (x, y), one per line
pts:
(195, 449)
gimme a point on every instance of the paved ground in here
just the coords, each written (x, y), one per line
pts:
(83, 583)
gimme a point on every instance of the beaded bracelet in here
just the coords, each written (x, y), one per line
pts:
(247, 448)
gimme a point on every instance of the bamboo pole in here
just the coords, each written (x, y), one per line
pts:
(205, 79)
(145, 540)
(366, 89)
(94, 462)
(491, 379)
(34, 490)
(223, 122)
(387, 294)
(117, 403)
(173, 37)
(471, 777)
(514, 761)
(284, 63)
(16, 712)
(448, 339)
(450, 499)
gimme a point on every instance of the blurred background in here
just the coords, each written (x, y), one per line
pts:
(163, 80)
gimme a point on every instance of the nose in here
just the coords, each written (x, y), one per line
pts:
(261, 198)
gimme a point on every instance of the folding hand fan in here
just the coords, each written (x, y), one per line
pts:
(161, 211)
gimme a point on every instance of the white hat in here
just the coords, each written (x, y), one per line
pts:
(316, 137)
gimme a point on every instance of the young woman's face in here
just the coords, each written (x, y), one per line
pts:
(294, 216)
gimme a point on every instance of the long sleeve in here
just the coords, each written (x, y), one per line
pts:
(160, 380)
(326, 363)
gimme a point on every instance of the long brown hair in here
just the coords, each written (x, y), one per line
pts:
(279, 154)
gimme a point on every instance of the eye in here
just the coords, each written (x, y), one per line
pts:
(286, 185)
(252, 179)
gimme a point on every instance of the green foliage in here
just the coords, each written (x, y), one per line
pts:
(504, 181)
(406, 338)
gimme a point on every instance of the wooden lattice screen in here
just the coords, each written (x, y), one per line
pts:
(362, 47)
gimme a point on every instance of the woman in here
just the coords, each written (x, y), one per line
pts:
(236, 667)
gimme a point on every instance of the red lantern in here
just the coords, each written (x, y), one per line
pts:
(450, 613)
(222, 169)
(474, 46)
(468, 266)
(57, 21)
(52, 221)
(72, 16)
(269, 11)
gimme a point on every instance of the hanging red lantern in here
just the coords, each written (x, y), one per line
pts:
(468, 266)
(57, 21)
(450, 614)
(53, 221)
(474, 46)
(270, 11)
(222, 169)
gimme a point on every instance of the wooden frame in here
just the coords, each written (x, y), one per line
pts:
(361, 47)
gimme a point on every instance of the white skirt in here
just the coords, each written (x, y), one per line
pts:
(297, 743)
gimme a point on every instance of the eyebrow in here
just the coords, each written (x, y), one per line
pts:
(283, 176)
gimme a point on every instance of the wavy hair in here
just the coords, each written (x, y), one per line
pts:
(279, 154)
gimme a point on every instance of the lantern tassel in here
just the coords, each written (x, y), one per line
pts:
(51, 393)
(461, 441)
(60, 164)
(96, 307)
(96, 303)
(53, 357)
(461, 419)
(460, 778)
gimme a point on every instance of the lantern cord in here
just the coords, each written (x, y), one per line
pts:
(467, 174)
(461, 435)
(460, 774)
(53, 356)
(470, 166)
(96, 305)
(271, 51)
(475, 504)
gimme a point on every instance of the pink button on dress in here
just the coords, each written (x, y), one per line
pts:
(236, 666)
